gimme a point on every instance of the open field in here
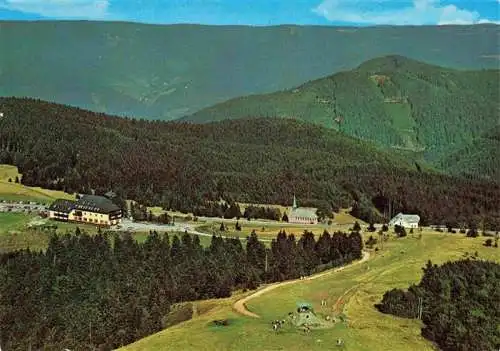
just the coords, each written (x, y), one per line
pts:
(13, 191)
(269, 230)
(341, 218)
(15, 232)
(353, 291)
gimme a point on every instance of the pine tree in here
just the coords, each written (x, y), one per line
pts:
(356, 227)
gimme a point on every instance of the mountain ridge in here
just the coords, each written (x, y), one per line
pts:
(394, 101)
(165, 72)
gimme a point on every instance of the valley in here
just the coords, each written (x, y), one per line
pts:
(164, 72)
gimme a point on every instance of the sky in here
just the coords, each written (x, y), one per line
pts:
(260, 12)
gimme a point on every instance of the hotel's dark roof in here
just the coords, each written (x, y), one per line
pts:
(63, 206)
(97, 204)
(91, 203)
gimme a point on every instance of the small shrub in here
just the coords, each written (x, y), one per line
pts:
(371, 241)
(400, 231)
(356, 227)
(472, 233)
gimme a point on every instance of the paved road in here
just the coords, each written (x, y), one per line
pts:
(128, 225)
(239, 306)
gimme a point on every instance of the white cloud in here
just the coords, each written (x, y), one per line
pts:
(74, 9)
(419, 12)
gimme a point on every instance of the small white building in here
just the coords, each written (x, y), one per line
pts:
(405, 220)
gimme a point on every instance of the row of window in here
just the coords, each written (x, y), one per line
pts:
(91, 214)
(91, 220)
(303, 219)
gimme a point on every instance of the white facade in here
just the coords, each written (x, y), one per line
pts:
(302, 215)
(405, 220)
(86, 217)
(303, 218)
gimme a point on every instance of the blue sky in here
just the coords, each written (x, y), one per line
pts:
(260, 12)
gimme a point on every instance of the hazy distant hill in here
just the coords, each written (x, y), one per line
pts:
(439, 113)
(164, 72)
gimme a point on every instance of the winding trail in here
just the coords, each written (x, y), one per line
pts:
(240, 307)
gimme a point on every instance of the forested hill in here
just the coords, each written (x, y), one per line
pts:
(397, 102)
(180, 165)
(169, 71)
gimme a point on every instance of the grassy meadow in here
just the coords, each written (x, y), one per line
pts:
(353, 291)
(13, 191)
(21, 231)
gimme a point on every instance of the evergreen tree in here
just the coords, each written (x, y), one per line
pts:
(285, 217)
(356, 227)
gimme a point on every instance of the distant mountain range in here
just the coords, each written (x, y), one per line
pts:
(169, 71)
(448, 118)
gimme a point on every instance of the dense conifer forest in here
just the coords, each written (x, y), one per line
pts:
(457, 302)
(101, 292)
(185, 166)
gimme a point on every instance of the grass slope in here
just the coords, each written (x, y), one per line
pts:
(358, 287)
(403, 104)
(12, 191)
(168, 71)
(20, 231)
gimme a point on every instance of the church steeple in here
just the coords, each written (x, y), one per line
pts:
(294, 202)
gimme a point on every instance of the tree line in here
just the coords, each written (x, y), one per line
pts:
(108, 290)
(457, 302)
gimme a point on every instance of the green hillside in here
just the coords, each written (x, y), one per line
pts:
(169, 71)
(181, 166)
(482, 156)
(397, 102)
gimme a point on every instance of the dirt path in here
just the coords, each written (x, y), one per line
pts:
(239, 306)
